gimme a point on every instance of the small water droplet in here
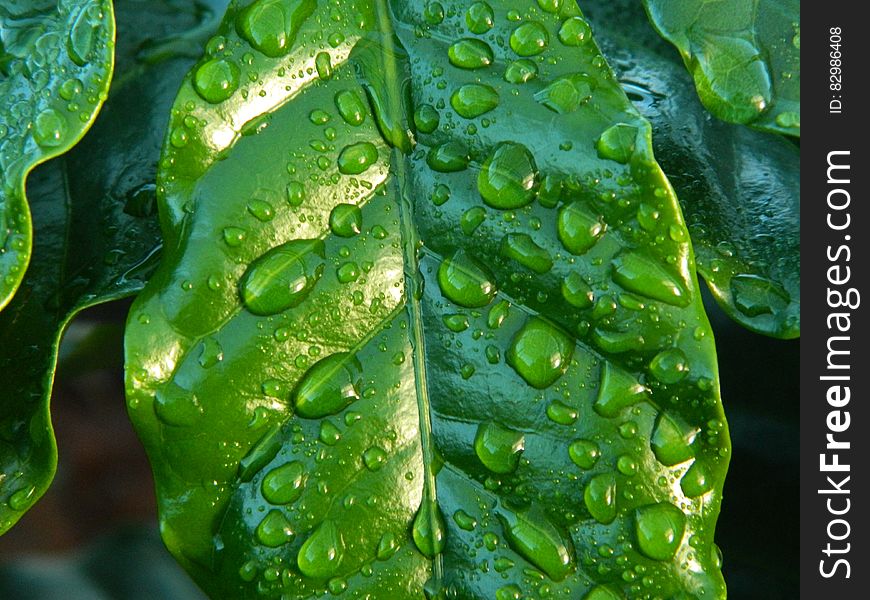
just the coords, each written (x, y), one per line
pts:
(529, 39)
(578, 229)
(284, 484)
(271, 26)
(639, 274)
(357, 158)
(618, 143)
(465, 281)
(520, 71)
(479, 18)
(275, 530)
(539, 542)
(350, 107)
(523, 249)
(473, 100)
(672, 440)
(49, 128)
(540, 353)
(584, 453)
(561, 413)
(574, 31)
(507, 177)
(345, 220)
(600, 497)
(216, 80)
(449, 157)
(470, 53)
(669, 366)
(659, 529)
(498, 447)
(426, 118)
(429, 530)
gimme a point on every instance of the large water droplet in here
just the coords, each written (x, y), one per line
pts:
(321, 555)
(617, 143)
(465, 281)
(429, 530)
(328, 386)
(540, 353)
(574, 31)
(216, 80)
(669, 366)
(584, 453)
(357, 158)
(672, 440)
(523, 249)
(350, 107)
(270, 26)
(345, 220)
(617, 390)
(507, 177)
(284, 484)
(539, 542)
(479, 18)
(49, 128)
(275, 530)
(529, 39)
(499, 448)
(283, 277)
(641, 275)
(474, 99)
(470, 53)
(426, 118)
(578, 229)
(659, 529)
(600, 497)
(449, 157)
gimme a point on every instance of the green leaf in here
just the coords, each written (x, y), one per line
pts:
(56, 61)
(739, 188)
(395, 350)
(95, 213)
(744, 56)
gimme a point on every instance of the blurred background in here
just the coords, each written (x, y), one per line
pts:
(94, 536)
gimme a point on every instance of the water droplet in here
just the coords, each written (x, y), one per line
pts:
(669, 366)
(659, 529)
(210, 353)
(617, 390)
(284, 484)
(529, 39)
(234, 236)
(617, 143)
(357, 158)
(429, 529)
(22, 499)
(538, 541)
(426, 118)
(471, 219)
(600, 497)
(350, 107)
(672, 440)
(561, 413)
(449, 157)
(456, 323)
(755, 295)
(275, 530)
(295, 193)
(49, 128)
(565, 94)
(474, 99)
(323, 65)
(509, 592)
(465, 281)
(696, 482)
(82, 36)
(433, 13)
(271, 26)
(329, 386)
(789, 119)
(440, 195)
(523, 249)
(387, 546)
(576, 291)
(374, 458)
(479, 18)
(216, 80)
(283, 277)
(499, 448)
(345, 220)
(176, 406)
(70, 88)
(540, 353)
(470, 53)
(584, 453)
(261, 210)
(507, 177)
(179, 137)
(520, 71)
(348, 272)
(578, 229)
(329, 433)
(639, 274)
(574, 31)
(321, 555)
(464, 520)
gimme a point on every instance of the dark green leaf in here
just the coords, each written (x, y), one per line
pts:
(56, 62)
(743, 54)
(95, 211)
(395, 350)
(739, 189)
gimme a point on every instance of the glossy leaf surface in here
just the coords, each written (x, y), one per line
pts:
(98, 237)
(744, 56)
(56, 62)
(739, 189)
(427, 320)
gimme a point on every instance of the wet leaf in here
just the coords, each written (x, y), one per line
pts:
(739, 189)
(475, 385)
(56, 61)
(744, 56)
(94, 210)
